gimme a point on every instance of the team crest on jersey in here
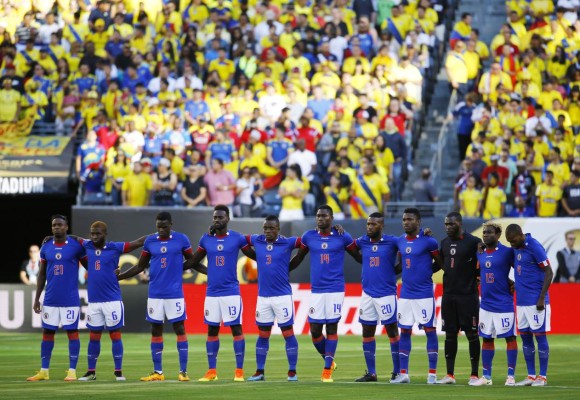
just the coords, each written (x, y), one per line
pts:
(311, 310)
(89, 318)
(58, 256)
(163, 249)
(324, 245)
(481, 325)
(220, 247)
(45, 315)
(206, 313)
(399, 316)
(151, 310)
(519, 257)
(488, 264)
(269, 247)
(98, 252)
(408, 250)
(453, 251)
(375, 247)
(257, 314)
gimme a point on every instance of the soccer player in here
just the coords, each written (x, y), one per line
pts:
(533, 276)
(105, 302)
(379, 297)
(59, 271)
(496, 312)
(416, 301)
(327, 279)
(460, 303)
(164, 252)
(222, 300)
(273, 254)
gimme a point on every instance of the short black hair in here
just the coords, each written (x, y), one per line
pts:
(456, 215)
(221, 207)
(272, 218)
(513, 229)
(327, 208)
(414, 211)
(377, 215)
(164, 216)
(59, 216)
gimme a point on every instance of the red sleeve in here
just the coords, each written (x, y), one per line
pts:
(249, 239)
(247, 246)
(298, 243)
(126, 247)
(544, 264)
(201, 250)
(81, 241)
(351, 246)
(145, 253)
(434, 253)
(302, 245)
(189, 250)
(85, 258)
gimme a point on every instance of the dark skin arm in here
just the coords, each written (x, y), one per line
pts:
(356, 254)
(135, 244)
(249, 252)
(84, 262)
(192, 261)
(541, 304)
(398, 265)
(437, 263)
(135, 269)
(298, 258)
(40, 282)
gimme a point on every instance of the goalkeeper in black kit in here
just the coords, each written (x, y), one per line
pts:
(460, 304)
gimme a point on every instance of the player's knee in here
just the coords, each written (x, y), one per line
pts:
(287, 331)
(316, 330)
(156, 329)
(392, 330)
(115, 334)
(213, 330)
(429, 329)
(472, 336)
(48, 332)
(95, 335)
(73, 334)
(368, 331)
(331, 329)
(510, 339)
(236, 330)
(179, 328)
(489, 340)
(405, 331)
(450, 335)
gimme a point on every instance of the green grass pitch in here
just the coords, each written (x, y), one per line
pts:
(19, 358)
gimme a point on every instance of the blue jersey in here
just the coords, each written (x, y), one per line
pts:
(102, 284)
(529, 263)
(222, 262)
(417, 258)
(494, 269)
(378, 265)
(280, 148)
(222, 151)
(327, 260)
(273, 263)
(62, 272)
(166, 264)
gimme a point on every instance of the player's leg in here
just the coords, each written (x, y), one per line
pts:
(156, 316)
(70, 321)
(394, 340)
(450, 325)
(95, 324)
(474, 353)
(487, 354)
(117, 349)
(182, 350)
(406, 321)
(512, 358)
(368, 318)
(231, 306)
(318, 339)
(424, 310)
(330, 351)
(291, 351)
(239, 351)
(46, 347)
(528, 346)
(264, 319)
(468, 315)
(212, 318)
(540, 326)
(316, 319)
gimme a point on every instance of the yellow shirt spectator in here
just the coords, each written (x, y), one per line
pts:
(494, 203)
(470, 202)
(292, 192)
(9, 103)
(137, 187)
(376, 186)
(548, 196)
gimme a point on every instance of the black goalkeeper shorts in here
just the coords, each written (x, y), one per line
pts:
(459, 313)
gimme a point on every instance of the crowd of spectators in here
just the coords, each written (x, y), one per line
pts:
(518, 120)
(198, 102)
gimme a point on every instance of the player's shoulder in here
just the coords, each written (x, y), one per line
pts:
(471, 238)
(179, 235)
(235, 234)
(73, 242)
(310, 233)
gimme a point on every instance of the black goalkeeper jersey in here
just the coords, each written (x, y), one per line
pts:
(460, 270)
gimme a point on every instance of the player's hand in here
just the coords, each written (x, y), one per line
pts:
(339, 229)
(427, 232)
(512, 286)
(211, 230)
(36, 306)
(540, 305)
(117, 271)
(480, 247)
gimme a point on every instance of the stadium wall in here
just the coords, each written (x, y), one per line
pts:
(16, 313)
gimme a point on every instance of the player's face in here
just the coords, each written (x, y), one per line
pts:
(163, 227)
(452, 226)
(59, 228)
(410, 223)
(323, 219)
(98, 236)
(220, 219)
(271, 230)
(516, 240)
(490, 237)
(374, 227)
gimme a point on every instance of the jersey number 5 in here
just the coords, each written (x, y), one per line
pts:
(408, 262)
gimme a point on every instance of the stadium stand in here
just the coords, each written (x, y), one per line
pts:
(324, 85)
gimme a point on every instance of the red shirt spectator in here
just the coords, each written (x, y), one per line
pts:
(502, 172)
